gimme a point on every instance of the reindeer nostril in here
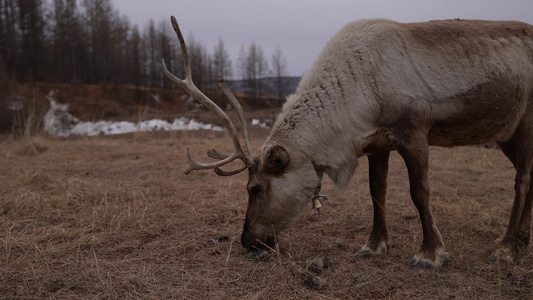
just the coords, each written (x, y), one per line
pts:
(245, 242)
(270, 242)
(251, 243)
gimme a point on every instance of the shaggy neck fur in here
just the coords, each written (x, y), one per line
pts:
(329, 117)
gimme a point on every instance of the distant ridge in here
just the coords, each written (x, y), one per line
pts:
(268, 85)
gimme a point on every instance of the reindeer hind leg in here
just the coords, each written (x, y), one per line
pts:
(519, 150)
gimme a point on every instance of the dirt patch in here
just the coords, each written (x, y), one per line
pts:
(95, 218)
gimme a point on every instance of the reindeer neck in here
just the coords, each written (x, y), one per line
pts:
(327, 128)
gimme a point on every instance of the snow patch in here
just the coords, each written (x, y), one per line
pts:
(110, 128)
(256, 122)
(60, 123)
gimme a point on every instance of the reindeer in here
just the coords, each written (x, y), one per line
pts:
(380, 86)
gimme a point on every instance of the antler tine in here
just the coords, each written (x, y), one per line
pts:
(216, 155)
(188, 85)
(227, 92)
(195, 165)
(229, 173)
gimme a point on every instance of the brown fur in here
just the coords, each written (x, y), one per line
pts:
(380, 86)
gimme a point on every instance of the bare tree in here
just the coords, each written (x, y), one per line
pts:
(9, 36)
(31, 25)
(241, 64)
(252, 66)
(199, 60)
(135, 67)
(164, 49)
(68, 46)
(119, 46)
(222, 68)
(102, 30)
(150, 39)
(258, 64)
(279, 69)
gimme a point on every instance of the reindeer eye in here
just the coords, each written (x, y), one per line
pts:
(255, 190)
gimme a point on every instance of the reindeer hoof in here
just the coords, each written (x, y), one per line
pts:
(416, 263)
(492, 259)
(501, 255)
(366, 251)
(501, 260)
(423, 261)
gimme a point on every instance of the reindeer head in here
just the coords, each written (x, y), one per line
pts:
(282, 179)
(281, 184)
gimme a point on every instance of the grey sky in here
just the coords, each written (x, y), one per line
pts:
(301, 28)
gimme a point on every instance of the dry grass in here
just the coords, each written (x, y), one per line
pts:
(117, 218)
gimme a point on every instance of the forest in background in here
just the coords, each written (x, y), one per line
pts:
(90, 42)
(80, 43)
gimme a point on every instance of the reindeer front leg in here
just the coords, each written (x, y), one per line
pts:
(378, 165)
(414, 149)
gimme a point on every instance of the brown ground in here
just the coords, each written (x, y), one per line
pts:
(97, 218)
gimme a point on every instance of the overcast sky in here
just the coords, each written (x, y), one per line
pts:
(301, 28)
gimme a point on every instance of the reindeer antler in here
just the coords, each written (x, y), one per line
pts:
(191, 89)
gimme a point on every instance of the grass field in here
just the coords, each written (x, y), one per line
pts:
(116, 218)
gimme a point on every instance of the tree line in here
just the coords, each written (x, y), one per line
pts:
(89, 42)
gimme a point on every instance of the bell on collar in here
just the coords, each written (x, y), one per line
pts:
(317, 201)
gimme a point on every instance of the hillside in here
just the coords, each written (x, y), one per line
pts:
(27, 103)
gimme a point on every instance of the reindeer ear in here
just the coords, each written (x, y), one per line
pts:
(277, 160)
